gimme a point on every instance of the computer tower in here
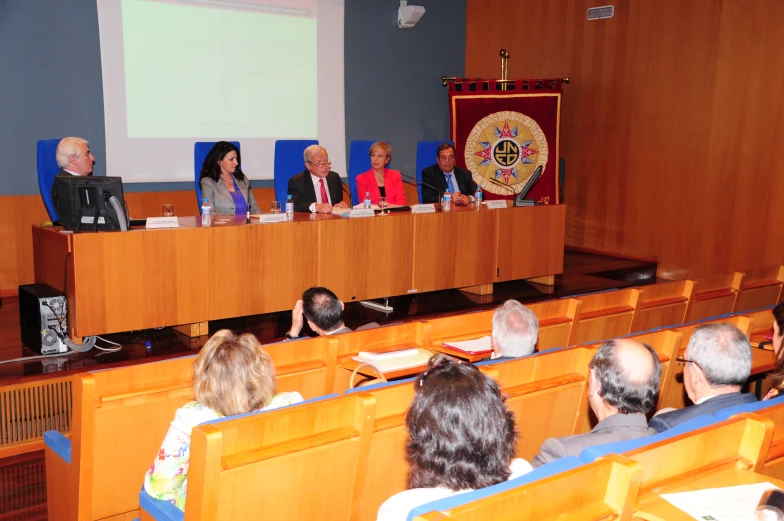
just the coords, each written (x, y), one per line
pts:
(42, 318)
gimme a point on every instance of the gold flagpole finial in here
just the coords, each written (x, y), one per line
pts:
(504, 54)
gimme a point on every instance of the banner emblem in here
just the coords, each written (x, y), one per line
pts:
(507, 147)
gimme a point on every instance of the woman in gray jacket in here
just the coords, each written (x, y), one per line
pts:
(224, 184)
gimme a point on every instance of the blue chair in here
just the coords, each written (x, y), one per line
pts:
(288, 163)
(426, 156)
(200, 151)
(47, 170)
(590, 454)
(726, 414)
(545, 471)
(358, 163)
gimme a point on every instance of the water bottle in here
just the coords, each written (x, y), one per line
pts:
(289, 208)
(447, 206)
(206, 212)
(478, 197)
(367, 199)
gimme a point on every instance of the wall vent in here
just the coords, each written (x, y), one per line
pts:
(598, 13)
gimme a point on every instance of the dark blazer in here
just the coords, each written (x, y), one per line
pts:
(301, 190)
(668, 420)
(433, 176)
(618, 427)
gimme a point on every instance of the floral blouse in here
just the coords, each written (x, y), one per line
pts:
(167, 479)
(771, 394)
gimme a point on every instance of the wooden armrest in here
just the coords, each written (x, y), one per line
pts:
(300, 367)
(554, 321)
(306, 442)
(605, 312)
(663, 302)
(715, 293)
(541, 385)
(761, 284)
(388, 422)
(776, 450)
(100, 400)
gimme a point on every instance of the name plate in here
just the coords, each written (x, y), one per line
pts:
(361, 212)
(495, 204)
(267, 218)
(423, 208)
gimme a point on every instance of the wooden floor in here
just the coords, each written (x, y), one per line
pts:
(22, 479)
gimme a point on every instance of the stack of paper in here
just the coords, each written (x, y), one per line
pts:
(472, 347)
(721, 504)
(394, 360)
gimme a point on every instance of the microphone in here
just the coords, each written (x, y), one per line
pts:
(504, 186)
(414, 181)
(247, 215)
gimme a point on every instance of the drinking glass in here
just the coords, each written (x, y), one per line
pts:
(275, 207)
(168, 210)
(382, 204)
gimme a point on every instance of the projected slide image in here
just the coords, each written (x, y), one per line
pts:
(242, 70)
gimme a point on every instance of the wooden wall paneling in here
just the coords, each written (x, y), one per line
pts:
(17, 215)
(268, 266)
(366, 258)
(668, 130)
(161, 289)
(451, 249)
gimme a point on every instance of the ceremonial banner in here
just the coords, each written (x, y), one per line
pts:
(503, 135)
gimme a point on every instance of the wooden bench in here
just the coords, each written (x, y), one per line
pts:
(675, 394)
(556, 319)
(760, 288)
(663, 304)
(607, 314)
(731, 452)
(120, 417)
(603, 490)
(666, 344)
(379, 340)
(546, 393)
(302, 462)
(714, 296)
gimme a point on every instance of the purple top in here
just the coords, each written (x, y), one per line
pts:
(240, 204)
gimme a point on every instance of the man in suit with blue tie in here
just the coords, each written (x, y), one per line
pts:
(437, 178)
(717, 363)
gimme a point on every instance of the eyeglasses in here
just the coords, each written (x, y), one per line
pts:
(683, 361)
(321, 165)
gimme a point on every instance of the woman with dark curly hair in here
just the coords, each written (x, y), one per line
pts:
(777, 376)
(224, 184)
(461, 437)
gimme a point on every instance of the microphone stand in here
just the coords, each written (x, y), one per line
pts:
(414, 181)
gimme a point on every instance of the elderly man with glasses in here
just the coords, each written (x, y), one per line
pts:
(716, 365)
(317, 188)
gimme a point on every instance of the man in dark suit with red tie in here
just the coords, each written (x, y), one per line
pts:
(317, 188)
(446, 175)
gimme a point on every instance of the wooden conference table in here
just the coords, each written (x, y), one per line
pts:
(190, 275)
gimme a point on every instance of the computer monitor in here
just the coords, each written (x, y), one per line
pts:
(91, 203)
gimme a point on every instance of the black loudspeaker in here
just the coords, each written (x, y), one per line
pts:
(42, 318)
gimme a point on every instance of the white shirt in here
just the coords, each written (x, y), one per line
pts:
(317, 187)
(72, 173)
(398, 506)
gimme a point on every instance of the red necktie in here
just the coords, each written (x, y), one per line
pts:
(324, 198)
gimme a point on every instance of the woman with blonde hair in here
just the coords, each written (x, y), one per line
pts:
(232, 375)
(380, 181)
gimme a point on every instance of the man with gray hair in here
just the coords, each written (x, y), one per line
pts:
(317, 188)
(74, 158)
(515, 331)
(623, 383)
(717, 363)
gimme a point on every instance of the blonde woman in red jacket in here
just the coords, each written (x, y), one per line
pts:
(380, 181)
